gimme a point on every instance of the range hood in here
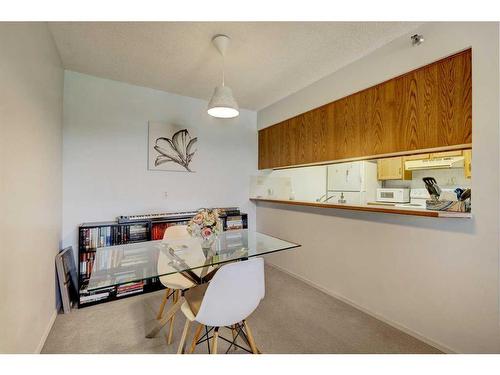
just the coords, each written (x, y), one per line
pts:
(441, 163)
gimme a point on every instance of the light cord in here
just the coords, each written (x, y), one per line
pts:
(223, 69)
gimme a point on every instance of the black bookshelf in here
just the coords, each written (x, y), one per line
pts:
(110, 233)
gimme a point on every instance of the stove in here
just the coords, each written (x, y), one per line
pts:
(417, 199)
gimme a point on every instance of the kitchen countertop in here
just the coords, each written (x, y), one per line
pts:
(372, 208)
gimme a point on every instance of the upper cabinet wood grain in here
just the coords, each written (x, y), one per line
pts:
(430, 107)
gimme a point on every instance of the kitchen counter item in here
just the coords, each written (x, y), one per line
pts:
(449, 206)
(393, 195)
(458, 192)
(432, 187)
(465, 195)
(448, 196)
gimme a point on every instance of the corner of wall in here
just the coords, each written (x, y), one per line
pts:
(46, 332)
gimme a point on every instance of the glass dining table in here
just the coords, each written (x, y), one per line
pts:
(116, 265)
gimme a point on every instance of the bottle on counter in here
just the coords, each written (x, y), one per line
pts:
(342, 199)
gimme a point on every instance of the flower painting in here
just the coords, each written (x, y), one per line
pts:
(171, 148)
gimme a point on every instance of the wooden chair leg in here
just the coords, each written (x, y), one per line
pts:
(182, 344)
(250, 338)
(164, 321)
(214, 342)
(196, 338)
(163, 302)
(234, 332)
(171, 328)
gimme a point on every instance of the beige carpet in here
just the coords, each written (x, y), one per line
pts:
(293, 318)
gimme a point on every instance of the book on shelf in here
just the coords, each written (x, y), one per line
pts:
(86, 264)
(92, 238)
(129, 288)
(234, 222)
(93, 296)
(158, 229)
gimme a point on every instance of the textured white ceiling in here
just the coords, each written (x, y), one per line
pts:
(266, 61)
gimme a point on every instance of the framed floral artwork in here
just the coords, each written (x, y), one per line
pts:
(171, 147)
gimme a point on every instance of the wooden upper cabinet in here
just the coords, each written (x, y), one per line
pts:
(445, 154)
(377, 120)
(346, 131)
(392, 169)
(263, 159)
(467, 163)
(430, 107)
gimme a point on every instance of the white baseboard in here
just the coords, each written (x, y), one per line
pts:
(403, 328)
(46, 333)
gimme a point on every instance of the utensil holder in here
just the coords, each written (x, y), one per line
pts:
(450, 206)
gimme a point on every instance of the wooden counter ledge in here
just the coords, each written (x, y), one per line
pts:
(372, 208)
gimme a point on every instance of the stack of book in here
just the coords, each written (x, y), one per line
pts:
(138, 233)
(93, 238)
(158, 229)
(234, 222)
(129, 288)
(94, 296)
(121, 234)
(86, 264)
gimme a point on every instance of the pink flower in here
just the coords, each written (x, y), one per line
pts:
(198, 219)
(206, 232)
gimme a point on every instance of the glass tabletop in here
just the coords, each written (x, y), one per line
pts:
(121, 264)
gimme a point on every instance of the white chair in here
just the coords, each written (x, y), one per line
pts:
(175, 282)
(231, 296)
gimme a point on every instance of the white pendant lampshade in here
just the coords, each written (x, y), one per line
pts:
(222, 104)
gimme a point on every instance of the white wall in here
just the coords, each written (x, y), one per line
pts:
(437, 278)
(105, 154)
(31, 81)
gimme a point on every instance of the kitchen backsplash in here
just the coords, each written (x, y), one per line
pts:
(445, 178)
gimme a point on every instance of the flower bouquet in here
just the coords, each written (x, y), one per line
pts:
(205, 225)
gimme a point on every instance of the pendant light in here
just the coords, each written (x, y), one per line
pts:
(222, 104)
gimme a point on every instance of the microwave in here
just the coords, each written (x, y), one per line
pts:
(397, 195)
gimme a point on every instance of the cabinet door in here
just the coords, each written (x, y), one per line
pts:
(264, 159)
(346, 129)
(345, 177)
(274, 142)
(390, 168)
(417, 157)
(445, 154)
(467, 163)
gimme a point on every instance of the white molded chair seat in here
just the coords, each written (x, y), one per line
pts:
(187, 312)
(176, 280)
(232, 295)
